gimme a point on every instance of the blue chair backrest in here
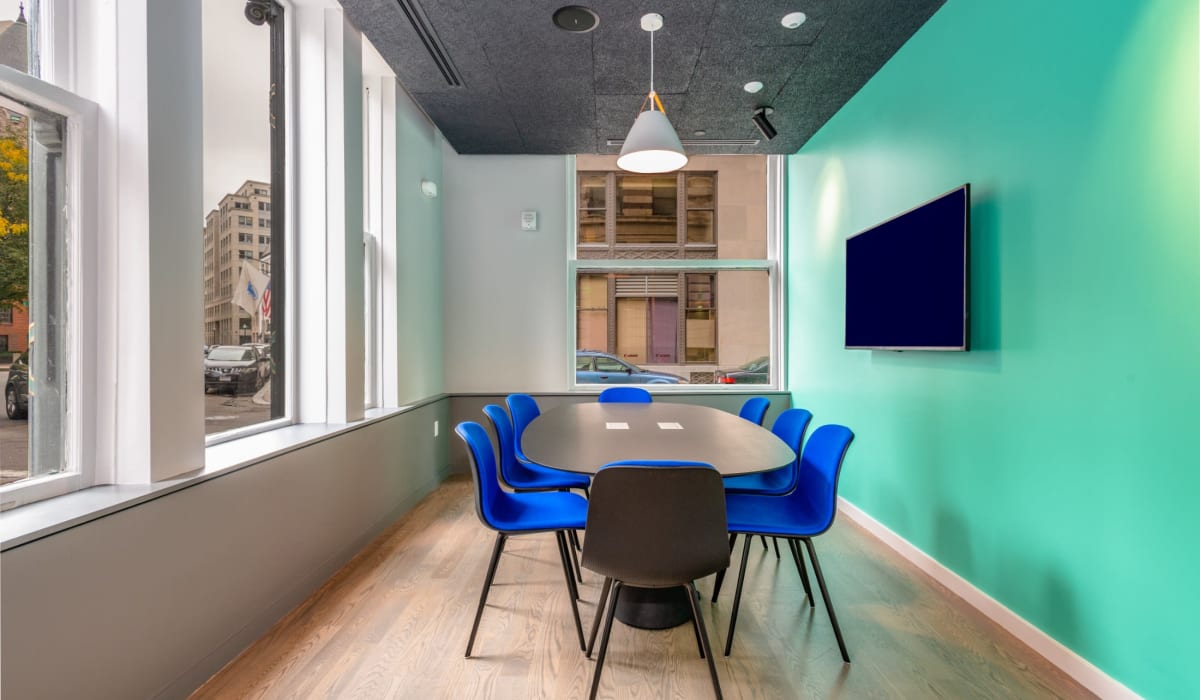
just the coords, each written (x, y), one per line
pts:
(790, 427)
(820, 467)
(625, 394)
(504, 436)
(755, 409)
(523, 409)
(489, 497)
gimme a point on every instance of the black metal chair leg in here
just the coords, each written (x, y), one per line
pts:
(604, 639)
(574, 538)
(775, 542)
(572, 592)
(599, 615)
(764, 541)
(702, 633)
(694, 596)
(837, 631)
(564, 551)
(737, 596)
(487, 584)
(721, 573)
(800, 567)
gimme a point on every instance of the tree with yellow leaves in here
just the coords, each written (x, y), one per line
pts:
(14, 210)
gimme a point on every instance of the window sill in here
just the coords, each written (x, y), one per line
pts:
(32, 522)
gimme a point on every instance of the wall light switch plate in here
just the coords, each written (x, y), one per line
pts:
(529, 221)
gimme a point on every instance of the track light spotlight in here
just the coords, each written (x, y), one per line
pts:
(764, 126)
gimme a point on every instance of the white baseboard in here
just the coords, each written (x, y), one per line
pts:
(1071, 663)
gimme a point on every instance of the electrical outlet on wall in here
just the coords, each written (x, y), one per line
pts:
(435, 428)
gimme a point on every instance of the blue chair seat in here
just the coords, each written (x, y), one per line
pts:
(778, 517)
(533, 512)
(525, 476)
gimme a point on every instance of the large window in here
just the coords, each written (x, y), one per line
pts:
(676, 275)
(244, 255)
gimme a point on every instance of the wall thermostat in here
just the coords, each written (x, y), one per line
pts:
(529, 221)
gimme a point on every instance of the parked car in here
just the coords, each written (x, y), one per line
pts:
(593, 367)
(16, 389)
(237, 369)
(756, 371)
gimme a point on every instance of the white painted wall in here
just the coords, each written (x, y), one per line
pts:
(416, 257)
(505, 289)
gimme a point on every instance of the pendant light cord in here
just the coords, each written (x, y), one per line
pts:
(652, 69)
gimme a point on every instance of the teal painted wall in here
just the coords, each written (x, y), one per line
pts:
(1056, 466)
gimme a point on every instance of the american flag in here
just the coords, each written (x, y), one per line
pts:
(266, 302)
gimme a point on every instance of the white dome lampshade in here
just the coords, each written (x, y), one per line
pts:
(652, 145)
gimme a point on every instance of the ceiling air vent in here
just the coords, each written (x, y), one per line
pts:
(441, 58)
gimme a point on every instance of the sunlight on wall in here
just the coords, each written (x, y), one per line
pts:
(831, 205)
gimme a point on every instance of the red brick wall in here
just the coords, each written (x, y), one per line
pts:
(18, 330)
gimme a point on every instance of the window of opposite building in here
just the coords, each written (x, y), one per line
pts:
(676, 275)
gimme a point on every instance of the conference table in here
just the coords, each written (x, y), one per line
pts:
(583, 437)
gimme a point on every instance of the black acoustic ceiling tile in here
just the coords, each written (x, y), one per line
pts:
(735, 23)
(470, 124)
(622, 50)
(529, 87)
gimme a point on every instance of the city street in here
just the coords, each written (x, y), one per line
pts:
(14, 444)
(224, 412)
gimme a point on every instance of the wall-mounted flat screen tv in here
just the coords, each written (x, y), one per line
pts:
(907, 283)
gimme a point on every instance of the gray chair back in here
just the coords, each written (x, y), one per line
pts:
(656, 524)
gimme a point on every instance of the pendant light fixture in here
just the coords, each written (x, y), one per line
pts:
(652, 145)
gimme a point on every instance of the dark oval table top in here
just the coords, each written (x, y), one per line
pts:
(583, 437)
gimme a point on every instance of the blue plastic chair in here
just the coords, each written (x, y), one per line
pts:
(755, 409)
(654, 524)
(625, 394)
(805, 513)
(790, 427)
(518, 514)
(524, 409)
(522, 476)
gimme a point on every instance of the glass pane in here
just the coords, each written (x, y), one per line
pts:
(700, 191)
(646, 209)
(742, 309)
(237, 250)
(700, 227)
(591, 331)
(591, 191)
(591, 226)
(17, 34)
(631, 329)
(34, 274)
(608, 364)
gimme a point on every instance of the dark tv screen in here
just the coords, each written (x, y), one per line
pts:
(906, 279)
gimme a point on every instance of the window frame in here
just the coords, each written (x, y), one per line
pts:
(772, 264)
(84, 403)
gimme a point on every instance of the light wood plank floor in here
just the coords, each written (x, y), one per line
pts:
(393, 623)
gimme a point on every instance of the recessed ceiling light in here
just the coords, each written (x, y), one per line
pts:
(699, 132)
(753, 86)
(793, 19)
(576, 18)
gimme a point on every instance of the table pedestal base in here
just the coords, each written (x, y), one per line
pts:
(653, 608)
